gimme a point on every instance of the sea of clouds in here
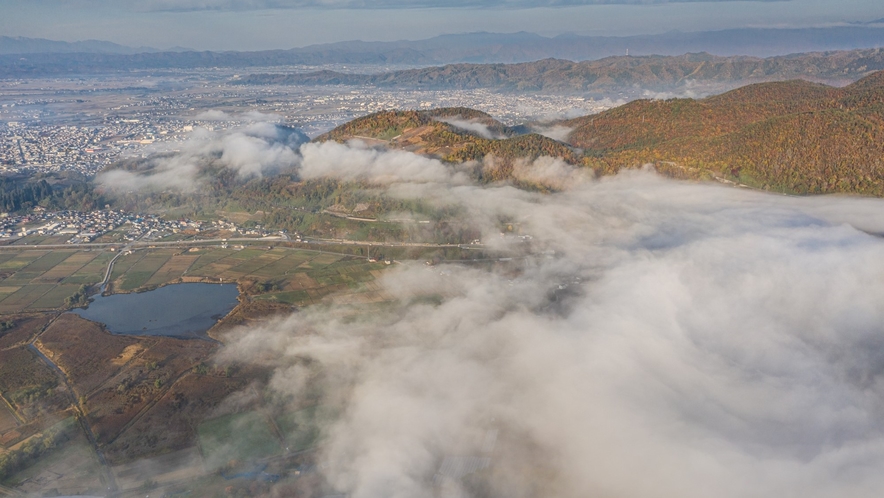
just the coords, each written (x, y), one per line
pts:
(649, 338)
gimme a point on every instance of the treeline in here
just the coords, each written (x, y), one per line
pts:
(78, 298)
(20, 196)
(16, 197)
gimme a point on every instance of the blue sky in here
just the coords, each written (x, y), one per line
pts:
(267, 24)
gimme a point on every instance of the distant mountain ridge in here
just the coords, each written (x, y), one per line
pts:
(89, 57)
(658, 73)
(23, 45)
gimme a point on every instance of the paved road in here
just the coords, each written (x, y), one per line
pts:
(306, 240)
(137, 244)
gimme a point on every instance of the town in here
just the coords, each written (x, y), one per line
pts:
(75, 227)
(82, 127)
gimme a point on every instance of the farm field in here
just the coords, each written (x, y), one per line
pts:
(281, 275)
(35, 280)
(238, 436)
(169, 424)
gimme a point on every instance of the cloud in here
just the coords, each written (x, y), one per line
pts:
(555, 132)
(550, 172)
(192, 5)
(356, 162)
(655, 338)
(476, 127)
(253, 150)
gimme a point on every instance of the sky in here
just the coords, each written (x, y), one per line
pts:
(275, 24)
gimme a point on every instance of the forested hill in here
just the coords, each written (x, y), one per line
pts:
(454, 134)
(791, 136)
(605, 75)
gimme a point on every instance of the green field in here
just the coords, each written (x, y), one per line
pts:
(21, 260)
(24, 297)
(56, 295)
(139, 273)
(5, 256)
(93, 271)
(240, 436)
(48, 261)
(41, 280)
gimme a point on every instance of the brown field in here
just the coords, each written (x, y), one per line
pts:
(122, 397)
(29, 384)
(170, 424)
(7, 419)
(78, 347)
(26, 327)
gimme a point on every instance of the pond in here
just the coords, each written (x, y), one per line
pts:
(178, 310)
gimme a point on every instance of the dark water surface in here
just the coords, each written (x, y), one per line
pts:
(178, 310)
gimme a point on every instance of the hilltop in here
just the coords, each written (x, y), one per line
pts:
(792, 136)
(453, 134)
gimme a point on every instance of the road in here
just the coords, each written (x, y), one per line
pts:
(174, 243)
(137, 244)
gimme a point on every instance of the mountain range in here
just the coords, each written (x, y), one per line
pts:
(611, 74)
(48, 57)
(23, 45)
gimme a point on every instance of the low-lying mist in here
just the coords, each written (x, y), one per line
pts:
(252, 150)
(642, 337)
